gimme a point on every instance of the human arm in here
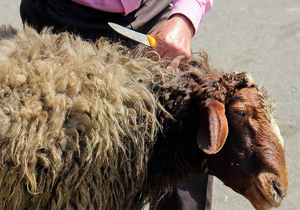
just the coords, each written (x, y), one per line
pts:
(176, 33)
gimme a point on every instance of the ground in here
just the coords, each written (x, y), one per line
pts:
(260, 37)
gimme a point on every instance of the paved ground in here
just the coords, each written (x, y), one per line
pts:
(261, 37)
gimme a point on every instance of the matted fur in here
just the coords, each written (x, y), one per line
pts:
(79, 121)
(75, 120)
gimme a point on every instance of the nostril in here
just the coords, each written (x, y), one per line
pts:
(278, 190)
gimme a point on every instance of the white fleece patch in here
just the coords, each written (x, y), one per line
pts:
(276, 130)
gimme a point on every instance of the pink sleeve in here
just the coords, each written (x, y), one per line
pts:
(194, 10)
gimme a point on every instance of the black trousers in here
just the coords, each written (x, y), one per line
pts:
(196, 194)
(91, 24)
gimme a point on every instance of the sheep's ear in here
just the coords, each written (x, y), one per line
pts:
(213, 126)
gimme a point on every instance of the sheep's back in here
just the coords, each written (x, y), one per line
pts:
(77, 122)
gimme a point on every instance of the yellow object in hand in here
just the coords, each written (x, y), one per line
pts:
(152, 41)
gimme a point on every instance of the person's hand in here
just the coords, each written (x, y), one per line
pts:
(174, 36)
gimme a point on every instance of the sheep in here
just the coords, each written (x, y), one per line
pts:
(98, 126)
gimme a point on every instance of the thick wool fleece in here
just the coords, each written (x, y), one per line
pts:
(77, 122)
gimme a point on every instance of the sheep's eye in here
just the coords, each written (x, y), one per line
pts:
(241, 113)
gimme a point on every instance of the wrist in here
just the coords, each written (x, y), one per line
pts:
(186, 21)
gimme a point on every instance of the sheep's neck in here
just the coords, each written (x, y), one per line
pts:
(176, 153)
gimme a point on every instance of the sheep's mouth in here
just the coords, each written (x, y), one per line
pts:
(273, 194)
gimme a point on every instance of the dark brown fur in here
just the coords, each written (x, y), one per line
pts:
(252, 153)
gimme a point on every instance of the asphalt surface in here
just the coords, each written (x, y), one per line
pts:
(260, 37)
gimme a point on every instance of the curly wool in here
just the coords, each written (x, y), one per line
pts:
(77, 122)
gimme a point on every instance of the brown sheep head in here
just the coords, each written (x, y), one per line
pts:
(244, 148)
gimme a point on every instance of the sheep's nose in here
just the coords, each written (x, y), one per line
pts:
(278, 192)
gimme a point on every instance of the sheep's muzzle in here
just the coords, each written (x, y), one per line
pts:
(272, 187)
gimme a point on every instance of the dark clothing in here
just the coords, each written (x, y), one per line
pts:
(91, 24)
(190, 195)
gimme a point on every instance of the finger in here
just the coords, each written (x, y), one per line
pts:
(175, 62)
(172, 59)
(168, 56)
(184, 61)
(160, 48)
